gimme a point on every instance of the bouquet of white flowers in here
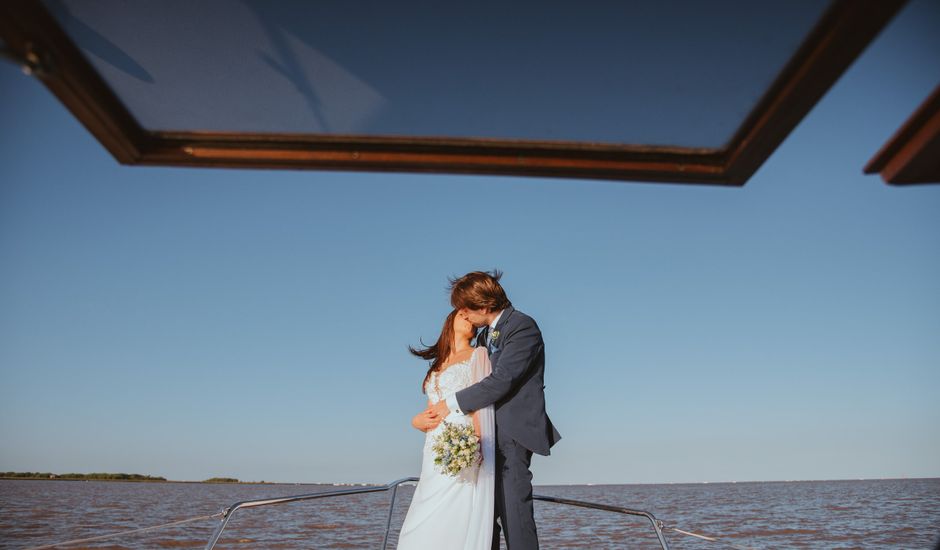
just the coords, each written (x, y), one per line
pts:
(457, 447)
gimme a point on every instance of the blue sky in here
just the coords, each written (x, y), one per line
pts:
(255, 324)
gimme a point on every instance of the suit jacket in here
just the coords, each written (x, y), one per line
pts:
(516, 386)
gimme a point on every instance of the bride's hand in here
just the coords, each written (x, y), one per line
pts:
(424, 421)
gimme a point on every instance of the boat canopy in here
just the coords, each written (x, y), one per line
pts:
(674, 91)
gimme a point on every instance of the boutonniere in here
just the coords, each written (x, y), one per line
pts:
(494, 336)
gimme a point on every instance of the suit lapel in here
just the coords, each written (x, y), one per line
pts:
(500, 326)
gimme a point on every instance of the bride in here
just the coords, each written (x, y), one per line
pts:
(452, 512)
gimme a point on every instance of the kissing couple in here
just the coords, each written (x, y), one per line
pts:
(493, 380)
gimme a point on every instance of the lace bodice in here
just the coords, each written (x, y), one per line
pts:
(442, 384)
(454, 378)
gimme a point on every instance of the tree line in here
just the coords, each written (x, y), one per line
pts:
(49, 475)
(103, 476)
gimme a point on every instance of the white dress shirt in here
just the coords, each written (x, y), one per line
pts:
(451, 399)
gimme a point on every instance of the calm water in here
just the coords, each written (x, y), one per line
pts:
(813, 514)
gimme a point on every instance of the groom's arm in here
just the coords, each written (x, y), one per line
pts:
(520, 348)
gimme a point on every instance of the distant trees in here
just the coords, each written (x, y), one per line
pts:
(103, 477)
(32, 475)
(94, 476)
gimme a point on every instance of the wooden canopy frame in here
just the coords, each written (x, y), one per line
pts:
(912, 155)
(32, 35)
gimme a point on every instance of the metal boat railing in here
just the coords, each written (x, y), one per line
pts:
(657, 524)
(393, 487)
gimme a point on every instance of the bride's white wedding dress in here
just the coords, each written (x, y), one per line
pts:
(454, 512)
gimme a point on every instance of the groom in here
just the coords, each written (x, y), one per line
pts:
(515, 389)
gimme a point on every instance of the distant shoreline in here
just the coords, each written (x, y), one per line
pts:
(152, 481)
(159, 481)
(126, 478)
(8, 478)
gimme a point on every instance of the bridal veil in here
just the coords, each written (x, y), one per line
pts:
(480, 534)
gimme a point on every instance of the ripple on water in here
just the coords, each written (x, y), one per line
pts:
(870, 514)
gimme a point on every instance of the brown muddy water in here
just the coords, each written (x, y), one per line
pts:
(903, 514)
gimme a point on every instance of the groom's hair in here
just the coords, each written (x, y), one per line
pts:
(479, 290)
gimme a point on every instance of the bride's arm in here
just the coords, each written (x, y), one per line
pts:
(476, 423)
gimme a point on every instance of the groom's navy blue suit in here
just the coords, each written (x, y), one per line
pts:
(516, 390)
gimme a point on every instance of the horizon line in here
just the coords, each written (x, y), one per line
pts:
(562, 484)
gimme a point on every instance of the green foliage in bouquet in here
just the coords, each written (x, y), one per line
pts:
(456, 448)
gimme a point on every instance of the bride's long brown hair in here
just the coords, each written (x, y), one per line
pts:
(440, 351)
